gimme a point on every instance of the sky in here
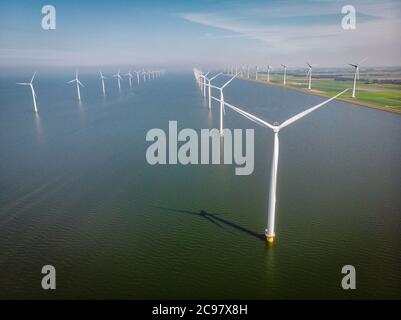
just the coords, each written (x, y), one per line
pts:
(206, 33)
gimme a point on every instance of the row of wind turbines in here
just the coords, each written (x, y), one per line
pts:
(140, 76)
(205, 82)
(245, 72)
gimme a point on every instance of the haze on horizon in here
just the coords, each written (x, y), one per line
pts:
(181, 33)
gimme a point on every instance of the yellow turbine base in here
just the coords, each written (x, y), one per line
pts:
(270, 239)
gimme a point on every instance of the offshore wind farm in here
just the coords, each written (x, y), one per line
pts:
(79, 192)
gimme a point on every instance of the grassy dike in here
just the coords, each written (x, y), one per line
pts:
(386, 97)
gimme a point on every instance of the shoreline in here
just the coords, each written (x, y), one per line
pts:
(311, 92)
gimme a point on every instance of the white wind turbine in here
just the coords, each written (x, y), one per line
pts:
(285, 73)
(197, 75)
(204, 83)
(256, 74)
(209, 88)
(268, 73)
(32, 90)
(137, 76)
(102, 78)
(78, 83)
(130, 76)
(118, 76)
(309, 74)
(200, 79)
(356, 75)
(221, 100)
(269, 232)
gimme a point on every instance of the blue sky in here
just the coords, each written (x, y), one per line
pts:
(206, 33)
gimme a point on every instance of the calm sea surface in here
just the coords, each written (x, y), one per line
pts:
(76, 192)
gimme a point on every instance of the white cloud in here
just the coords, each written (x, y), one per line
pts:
(329, 44)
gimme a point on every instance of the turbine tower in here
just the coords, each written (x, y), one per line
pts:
(32, 90)
(129, 74)
(309, 74)
(137, 77)
(269, 232)
(102, 78)
(256, 74)
(118, 76)
(268, 73)
(204, 83)
(209, 88)
(285, 74)
(78, 83)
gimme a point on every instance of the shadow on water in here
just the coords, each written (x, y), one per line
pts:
(217, 220)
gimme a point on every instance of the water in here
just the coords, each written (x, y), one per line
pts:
(77, 193)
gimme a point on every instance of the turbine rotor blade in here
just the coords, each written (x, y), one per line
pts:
(33, 77)
(248, 115)
(363, 60)
(224, 85)
(214, 77)
(304, 113)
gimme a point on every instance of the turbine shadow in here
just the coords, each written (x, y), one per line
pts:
(218, 221)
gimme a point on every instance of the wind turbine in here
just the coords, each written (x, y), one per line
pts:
(102, 77)
(269, 232)
(129, 74)
(285, 73)
(78, 83)
(200, 80)
(204, 83)
(309, 74)
(256, 75)
(137, 76)
(356, 75)
(32, 90)
(221, 100)
(268, 73)
(209, 88)
(118, 76)
(197, 75)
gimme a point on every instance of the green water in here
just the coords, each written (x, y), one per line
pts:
(77, 193)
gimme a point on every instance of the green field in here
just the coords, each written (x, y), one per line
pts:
(383, 96)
